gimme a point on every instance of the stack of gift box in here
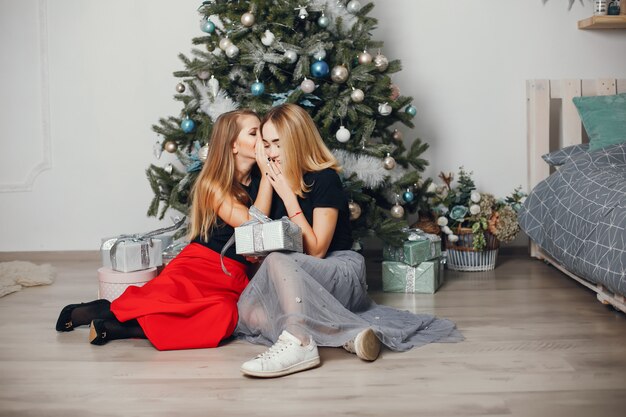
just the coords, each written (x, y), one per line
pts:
(134, 259)
(414, 267)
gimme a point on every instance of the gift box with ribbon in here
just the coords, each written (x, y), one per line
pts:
(262, 235)
(418, 247)
(425, 278)
(128, 253)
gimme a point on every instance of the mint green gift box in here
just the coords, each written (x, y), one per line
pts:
(417, 249)
(424, 278)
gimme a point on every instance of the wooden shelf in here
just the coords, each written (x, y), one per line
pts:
(603, 22)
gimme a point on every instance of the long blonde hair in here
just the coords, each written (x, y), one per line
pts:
(303, 149)
(216, 180)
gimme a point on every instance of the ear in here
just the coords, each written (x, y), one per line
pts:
(235, 148)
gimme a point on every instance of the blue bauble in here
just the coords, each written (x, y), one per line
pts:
(207, 26)
(187, 125)
(257, 88)
(319, 69)
(323, 21)
(408, 196)
(411, 111)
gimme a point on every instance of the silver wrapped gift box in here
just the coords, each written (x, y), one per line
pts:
(259, 239)
(131, 254)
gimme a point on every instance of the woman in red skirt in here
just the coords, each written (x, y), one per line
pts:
(193, 303)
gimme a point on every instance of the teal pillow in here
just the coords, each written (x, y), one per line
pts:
(604, 118)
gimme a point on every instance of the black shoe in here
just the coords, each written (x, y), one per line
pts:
(65, 323)
(98, 332)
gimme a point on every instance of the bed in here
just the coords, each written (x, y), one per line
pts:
(575, 213)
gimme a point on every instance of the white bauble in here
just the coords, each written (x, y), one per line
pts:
(475, 196)
(214, 86)
(397, 211)
(203, 153)
(446, 230)
(343, 135)
(268, 38)
(389, 163)
(291, 56)
(225, 43)
(384, 109)
(232, 51)
(357, 95)
(247, 19)
(442, 221)
(353, 6)
(474, 209)
(453, 238)
(307, 86)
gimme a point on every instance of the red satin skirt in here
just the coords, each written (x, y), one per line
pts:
(191, 304)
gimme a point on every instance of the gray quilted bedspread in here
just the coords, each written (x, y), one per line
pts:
(578, 216)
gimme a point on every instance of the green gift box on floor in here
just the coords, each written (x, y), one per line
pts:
(417, 249)
(424, 278)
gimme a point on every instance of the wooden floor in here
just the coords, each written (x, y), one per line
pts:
(537, 344)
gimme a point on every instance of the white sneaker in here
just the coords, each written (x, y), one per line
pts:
(366, 345)
(285, 357)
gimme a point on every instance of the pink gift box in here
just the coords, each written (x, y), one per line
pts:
(114, 283)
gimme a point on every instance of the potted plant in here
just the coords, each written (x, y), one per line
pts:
(474, 223)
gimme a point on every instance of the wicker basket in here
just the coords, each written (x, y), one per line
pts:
(463, 257)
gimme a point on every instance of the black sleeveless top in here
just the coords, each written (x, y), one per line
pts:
(326, 191)
(221, 232)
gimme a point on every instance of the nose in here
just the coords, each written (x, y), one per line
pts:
(272, 151)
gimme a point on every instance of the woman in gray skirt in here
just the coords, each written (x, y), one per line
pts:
(295, 301)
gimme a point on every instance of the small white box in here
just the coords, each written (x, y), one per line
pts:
(113, 283)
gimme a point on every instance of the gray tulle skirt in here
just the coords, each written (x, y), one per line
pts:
(327, 299)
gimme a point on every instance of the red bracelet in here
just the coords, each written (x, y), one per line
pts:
(299, 212)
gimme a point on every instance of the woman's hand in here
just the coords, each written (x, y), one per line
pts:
(279, 182)
(261, 156)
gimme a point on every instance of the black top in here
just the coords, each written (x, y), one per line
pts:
(222, 231)
(326, 191)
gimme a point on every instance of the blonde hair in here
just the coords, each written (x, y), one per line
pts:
(216, 180)
(303, 149)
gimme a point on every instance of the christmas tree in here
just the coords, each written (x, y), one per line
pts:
(319, 54)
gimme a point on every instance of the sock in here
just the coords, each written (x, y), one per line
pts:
(127, 330)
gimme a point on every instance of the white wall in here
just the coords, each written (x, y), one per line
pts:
(83, 81)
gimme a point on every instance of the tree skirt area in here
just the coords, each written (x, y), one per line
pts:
(17, 274)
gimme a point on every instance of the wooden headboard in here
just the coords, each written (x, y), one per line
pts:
(544, 99)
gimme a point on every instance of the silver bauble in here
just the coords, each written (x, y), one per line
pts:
(232, 51)
(397, 135)
(364, 58)
(307, 86)
(389, 163)
(343, 135)
(214, 86)
(203, 153)
(384, 109)
(225, 43)
(339, 74)
(397, 211)
(268, 38)
(381, 62)
(357, 95)
(291, 56)
(180, 87)
(355, 210)
(353, 6)
(204, 75)
(323, 21)
(247, 19)
(170, 146)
